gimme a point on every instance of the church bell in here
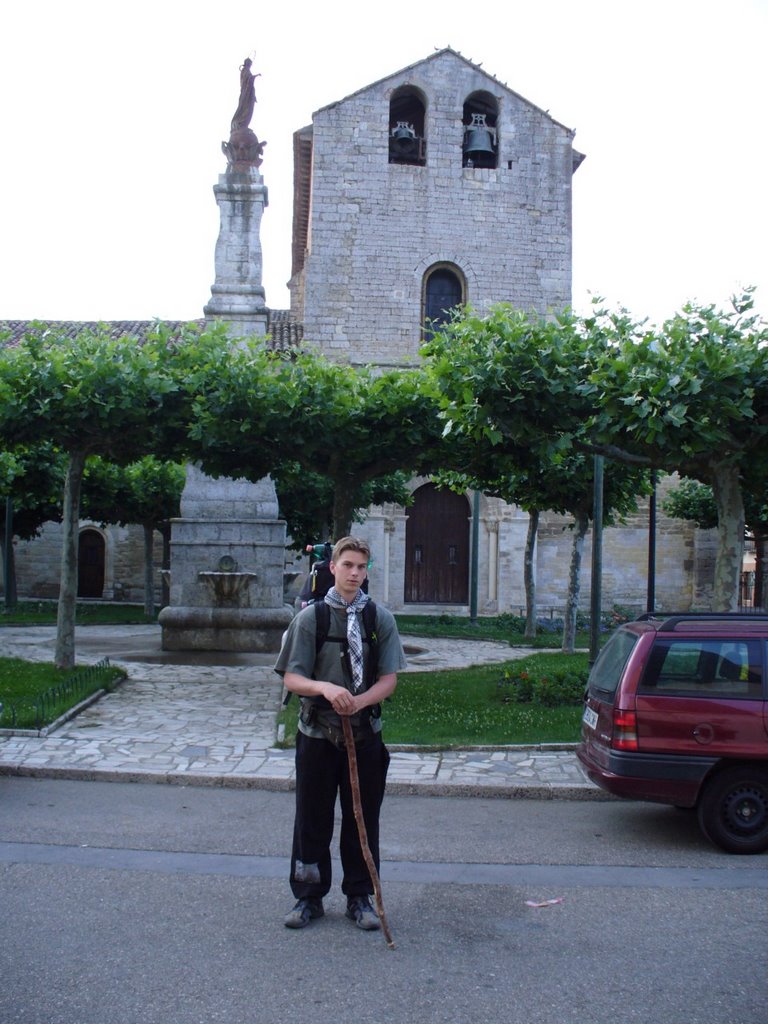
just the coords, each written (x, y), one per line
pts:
(403, 142)
(479, 139)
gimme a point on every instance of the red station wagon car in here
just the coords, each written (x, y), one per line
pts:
(676, 711)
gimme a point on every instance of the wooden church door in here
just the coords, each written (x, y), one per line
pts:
(437, 548)
(90, 564)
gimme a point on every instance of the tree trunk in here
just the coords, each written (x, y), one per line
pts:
(65, 621)
(343, 509)
(574, 583)
(9, 584)
(149, 571)
(726, 489)
(165, 533)
(529, 575)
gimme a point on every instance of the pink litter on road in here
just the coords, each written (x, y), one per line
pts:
(544, 903)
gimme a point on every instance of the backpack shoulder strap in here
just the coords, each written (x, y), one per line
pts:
(369, 621)
(322, 623)
(371, 635)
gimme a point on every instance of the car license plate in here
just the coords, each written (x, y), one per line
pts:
(590, 718)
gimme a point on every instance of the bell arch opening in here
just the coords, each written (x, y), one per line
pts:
(480, 146)
(407, 122)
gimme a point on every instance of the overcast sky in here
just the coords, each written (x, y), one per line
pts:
(113, 114)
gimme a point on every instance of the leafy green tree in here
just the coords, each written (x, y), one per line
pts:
(691, 397)
(695, 501)
(306, 501)
(98, 395)
(32, 477)
(146, 493)
(562, 483)
(511, 379)
(349, 426)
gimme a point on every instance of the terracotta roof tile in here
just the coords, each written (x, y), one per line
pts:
(284, 332)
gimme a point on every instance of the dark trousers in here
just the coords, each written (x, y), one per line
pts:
(322, 771)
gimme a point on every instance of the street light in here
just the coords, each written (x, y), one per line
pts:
(10, 596)
(597, 559)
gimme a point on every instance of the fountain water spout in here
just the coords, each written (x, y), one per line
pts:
(230, 589)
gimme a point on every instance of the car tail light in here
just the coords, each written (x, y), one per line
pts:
(624, 730)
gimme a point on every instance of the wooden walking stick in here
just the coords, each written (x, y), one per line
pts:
(354, 782)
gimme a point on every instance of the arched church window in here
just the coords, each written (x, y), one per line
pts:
(407, 116)
(443, 291)
(480, 145)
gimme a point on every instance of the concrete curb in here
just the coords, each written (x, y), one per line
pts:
(491, 790)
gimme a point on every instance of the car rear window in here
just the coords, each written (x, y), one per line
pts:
(704, 668)
(607, 670)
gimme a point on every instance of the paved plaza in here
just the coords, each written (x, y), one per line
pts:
(201, 723)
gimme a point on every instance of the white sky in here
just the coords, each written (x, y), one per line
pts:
(113, 114)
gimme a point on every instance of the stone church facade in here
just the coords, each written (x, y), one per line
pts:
(379, 228)
(433, 187)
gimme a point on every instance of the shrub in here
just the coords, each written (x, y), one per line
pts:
(547, 688)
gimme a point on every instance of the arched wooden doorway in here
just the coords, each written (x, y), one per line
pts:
(437, 548)
(90, 564)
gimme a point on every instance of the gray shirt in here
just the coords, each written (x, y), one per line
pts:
(297, 654)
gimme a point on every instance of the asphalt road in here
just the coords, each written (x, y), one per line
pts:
(141, 904)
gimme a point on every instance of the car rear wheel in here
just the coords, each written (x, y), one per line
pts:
(733, 810)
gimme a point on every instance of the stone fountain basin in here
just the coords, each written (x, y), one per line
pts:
(223, 629)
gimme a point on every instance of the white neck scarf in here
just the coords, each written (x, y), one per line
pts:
(354, 637)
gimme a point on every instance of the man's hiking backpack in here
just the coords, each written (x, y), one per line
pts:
(320, 579)
(317, 584)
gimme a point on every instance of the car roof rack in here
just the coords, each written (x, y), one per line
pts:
(670, 622)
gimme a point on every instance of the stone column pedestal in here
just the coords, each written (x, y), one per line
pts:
(237, 295)
(227, 568)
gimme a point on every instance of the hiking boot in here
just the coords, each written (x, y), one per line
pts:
(360, 911)
(306, 910)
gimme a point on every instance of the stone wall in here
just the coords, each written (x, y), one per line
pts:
(684, 560)
(376, 227)
(38, 561)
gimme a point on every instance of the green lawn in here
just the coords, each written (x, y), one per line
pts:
(34, 694)
(464, 707)
(473, 707)
(504, 628)
(43, 613)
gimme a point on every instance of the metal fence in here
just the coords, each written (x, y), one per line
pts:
(69, 691)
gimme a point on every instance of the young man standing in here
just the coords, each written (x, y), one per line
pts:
(332, 680)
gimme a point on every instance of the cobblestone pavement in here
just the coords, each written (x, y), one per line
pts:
(214, 724)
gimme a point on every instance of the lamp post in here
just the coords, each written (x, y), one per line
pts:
(650, 604)
(475, 557)
(597, 559)
(10, 595)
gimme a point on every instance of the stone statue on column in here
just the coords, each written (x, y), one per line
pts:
(227, 572)
(243, 150)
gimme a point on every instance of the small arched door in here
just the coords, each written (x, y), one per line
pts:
(90, 564)
(437, 548)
